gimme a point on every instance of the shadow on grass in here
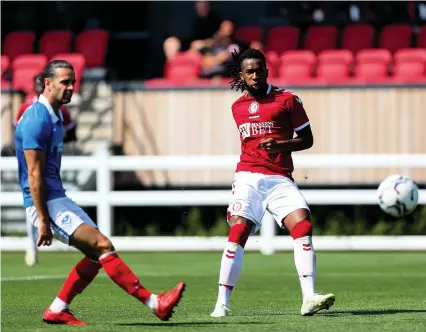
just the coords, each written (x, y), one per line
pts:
(200, 324)
(374, 312)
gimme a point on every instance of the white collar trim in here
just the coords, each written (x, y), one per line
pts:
(43, 100)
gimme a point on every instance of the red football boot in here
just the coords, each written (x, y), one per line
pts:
(63, 317)
(168, 301)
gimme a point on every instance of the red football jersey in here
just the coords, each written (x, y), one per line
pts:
(31, 98)
(277, 115)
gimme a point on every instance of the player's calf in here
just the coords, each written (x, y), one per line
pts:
(92, 242)
(304, 258)
(232, 262)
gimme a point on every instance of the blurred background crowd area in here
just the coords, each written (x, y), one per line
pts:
(181, 43)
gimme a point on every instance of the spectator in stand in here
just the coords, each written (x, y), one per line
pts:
(204, 26)
(216, 52)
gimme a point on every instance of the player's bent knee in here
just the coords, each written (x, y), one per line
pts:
(103, 244)
(237, 220)
(301, 229)
(240, 230)
(295, 217)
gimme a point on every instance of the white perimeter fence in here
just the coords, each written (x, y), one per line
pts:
(267, 242)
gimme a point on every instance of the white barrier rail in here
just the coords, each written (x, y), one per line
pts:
(254, 243)
(104, 199)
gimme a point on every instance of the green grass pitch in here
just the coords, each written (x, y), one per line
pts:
(374, 292)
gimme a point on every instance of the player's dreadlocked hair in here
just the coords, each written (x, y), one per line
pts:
(238, 56)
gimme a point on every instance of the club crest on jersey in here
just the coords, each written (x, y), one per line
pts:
(253, 108)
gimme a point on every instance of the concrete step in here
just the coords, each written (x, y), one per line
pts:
(101, 131)
(92, 117)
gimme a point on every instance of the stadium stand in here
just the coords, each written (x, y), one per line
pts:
(93, 45)
(356, 37)
(249, 34)
(281, 39)
(354, 53)
(55, 42)
(17, 43)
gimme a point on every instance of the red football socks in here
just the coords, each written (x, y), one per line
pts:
(79, 278)
(123, 276)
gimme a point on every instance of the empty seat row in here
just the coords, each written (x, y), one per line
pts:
(92, 44)
(26, 66)
(354, 37)
(344, 57)
(338, 66)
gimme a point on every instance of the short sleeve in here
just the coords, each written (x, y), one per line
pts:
(298, 117)
(36, 134)
(20, 113)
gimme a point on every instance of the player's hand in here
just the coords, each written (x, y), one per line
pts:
(270, 145)
(44, 234)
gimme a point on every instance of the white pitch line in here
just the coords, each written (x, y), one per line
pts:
(284, 274)
(30, 278)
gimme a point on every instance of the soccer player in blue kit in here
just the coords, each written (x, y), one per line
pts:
(39, 139)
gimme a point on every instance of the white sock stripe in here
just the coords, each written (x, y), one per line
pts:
(106, 255)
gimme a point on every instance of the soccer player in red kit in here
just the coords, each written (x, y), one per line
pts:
(267, 118)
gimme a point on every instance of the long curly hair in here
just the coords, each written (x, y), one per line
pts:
(242, 52)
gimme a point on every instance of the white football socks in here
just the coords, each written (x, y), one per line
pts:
(58, 305)
(152, 302)
(305, 261)
(230, 268)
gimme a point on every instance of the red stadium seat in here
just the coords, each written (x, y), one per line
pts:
(5, 63)
(23, 77)
(78, 62)
(295, 73)
(394, 37)
(249, 34)
(185, 66)
(156, 83)
(374, 56)
(55, 42)
(18, 42)
(93, 44)
(333, 72)
(293, 63)
(272, 63)
(372, 72)
(410, 55)
(336, 56)
(282, 39)
(410, 72)
(421, 40)
(299, 56)
(319, 38)
(357, 37)
(30, 61)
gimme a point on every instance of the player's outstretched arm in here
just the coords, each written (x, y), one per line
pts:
(303, 141)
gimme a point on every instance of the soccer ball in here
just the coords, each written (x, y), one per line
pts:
(398, 195)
